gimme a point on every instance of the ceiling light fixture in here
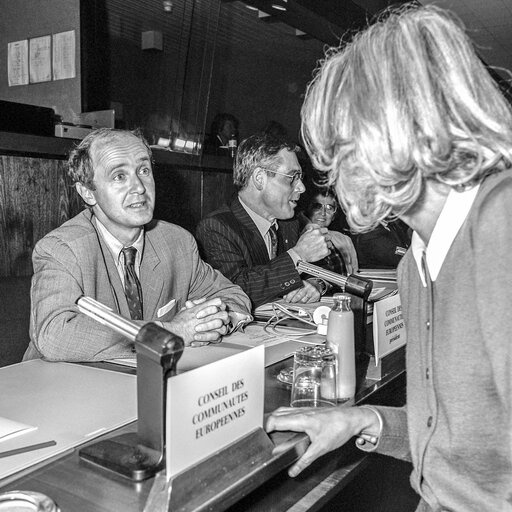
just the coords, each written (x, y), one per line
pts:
(280, 6)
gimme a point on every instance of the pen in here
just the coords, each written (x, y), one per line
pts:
(28, 448)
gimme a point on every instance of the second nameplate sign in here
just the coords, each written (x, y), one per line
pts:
(389, 332)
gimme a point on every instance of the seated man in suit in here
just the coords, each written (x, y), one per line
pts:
(114, 252)
(224, 128)
(255, 241)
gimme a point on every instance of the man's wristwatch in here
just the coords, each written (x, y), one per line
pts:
(321, 283)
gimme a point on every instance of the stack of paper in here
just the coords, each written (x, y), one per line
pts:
(378, 274)
(279, 344)
(68, 403)
(10, 429)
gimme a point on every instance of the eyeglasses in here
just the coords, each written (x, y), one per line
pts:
(294, 178)
(324, 208)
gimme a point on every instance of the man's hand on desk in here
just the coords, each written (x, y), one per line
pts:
(327, 428)
(309, 292)
(200, 322)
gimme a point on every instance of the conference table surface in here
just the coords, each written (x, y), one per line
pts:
(76, 485)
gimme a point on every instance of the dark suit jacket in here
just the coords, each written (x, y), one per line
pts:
(230, 242)
(376, 249)
(73, 260)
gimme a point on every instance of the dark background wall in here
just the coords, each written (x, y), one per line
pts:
(260, 70)
(217, 57)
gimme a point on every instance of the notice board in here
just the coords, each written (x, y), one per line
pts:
(37, 21)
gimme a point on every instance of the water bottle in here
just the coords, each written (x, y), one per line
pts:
(340, 339)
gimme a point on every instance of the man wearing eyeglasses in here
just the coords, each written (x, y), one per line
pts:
(255, 241)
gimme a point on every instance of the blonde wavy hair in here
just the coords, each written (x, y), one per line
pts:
(407, 100)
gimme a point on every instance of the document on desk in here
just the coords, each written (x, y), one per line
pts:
(278, 346)
(305, 311)
(68, 403)
(378, 274)
(10, 429)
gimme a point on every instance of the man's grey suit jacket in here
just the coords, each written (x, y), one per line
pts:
(73, 260)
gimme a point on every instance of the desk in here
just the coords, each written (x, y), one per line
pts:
(78, 486)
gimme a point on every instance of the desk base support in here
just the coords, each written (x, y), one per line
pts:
(216, 477)
(393, 362)
(125, 455)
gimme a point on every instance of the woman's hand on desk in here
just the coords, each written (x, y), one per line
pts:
(328, 428)
(201, 321)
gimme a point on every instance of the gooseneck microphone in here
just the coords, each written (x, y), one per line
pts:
(358, 286)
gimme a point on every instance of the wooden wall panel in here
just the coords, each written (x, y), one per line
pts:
(35, 197)
(185, 196)
(178, 195)
(218, 187)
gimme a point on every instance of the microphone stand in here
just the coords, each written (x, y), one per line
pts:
(138, 455)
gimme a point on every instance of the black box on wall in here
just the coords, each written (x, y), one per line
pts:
(23, 118)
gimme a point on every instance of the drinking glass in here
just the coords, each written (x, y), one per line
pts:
(26, 501)
(314, 377)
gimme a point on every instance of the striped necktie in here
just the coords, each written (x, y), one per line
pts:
(132, 288)
(272, 233)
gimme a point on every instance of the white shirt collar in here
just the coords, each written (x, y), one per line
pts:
(262, 224)
(453, 215)
(115, 246)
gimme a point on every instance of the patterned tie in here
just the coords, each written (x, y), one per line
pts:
(272, 233)
(132, 288)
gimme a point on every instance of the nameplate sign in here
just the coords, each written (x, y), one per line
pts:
(212, 406)
(388, 326)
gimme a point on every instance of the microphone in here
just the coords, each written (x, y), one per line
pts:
(358, 286)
